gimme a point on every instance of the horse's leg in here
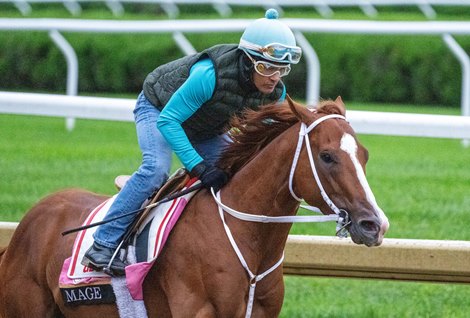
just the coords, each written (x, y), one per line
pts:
(30, 267)
(23, 291)
(170, 296)
(269, 296)
(21, 295)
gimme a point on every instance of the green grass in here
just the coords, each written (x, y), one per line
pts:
(41, 156)
(335, 297)
(422, 184)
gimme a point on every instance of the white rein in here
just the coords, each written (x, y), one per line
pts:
(340, 216)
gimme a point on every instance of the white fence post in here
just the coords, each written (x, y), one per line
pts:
(313, 69)
(72, 69)
(464, 60)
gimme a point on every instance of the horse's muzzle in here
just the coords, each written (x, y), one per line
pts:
(367, 231)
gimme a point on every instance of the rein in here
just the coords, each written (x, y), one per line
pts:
(340, 216)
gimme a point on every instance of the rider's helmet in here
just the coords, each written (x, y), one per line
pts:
(271, 40)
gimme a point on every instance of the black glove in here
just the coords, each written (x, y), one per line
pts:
(210, 176)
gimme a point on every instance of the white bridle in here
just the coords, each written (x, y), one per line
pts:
(340, 216)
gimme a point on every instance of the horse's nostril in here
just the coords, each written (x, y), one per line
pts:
(369, 225)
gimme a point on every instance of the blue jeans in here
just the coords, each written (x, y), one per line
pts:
(152, 173)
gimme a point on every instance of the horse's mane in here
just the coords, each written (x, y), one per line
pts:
(255, 129)
(252, 131)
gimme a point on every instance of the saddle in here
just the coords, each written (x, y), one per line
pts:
(140, 246)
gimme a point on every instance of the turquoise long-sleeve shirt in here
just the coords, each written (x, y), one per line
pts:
(195, 91)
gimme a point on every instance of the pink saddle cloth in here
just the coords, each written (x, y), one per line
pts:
(158, 225)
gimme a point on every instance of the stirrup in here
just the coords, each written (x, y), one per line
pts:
(108, 269)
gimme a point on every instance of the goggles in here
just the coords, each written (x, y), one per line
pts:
(275, 51)
(267, 69)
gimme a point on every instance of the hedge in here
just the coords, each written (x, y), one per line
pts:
(398, 69)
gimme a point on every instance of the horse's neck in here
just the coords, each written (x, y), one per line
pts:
(261, 187)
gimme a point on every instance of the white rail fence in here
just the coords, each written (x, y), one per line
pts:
(381, 123)
(397, 259)
(223, 7)
(300, 26)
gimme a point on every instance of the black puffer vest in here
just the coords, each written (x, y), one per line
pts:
(234, 90)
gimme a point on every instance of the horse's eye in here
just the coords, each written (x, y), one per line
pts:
(326, 157)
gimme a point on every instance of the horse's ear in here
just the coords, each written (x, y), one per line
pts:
(342, 107)
(299, 110)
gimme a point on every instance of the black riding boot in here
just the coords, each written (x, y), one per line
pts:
(97, 257)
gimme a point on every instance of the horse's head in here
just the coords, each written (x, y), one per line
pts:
(332, 177)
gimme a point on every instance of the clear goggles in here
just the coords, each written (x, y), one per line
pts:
(275, 51)
(267, 69)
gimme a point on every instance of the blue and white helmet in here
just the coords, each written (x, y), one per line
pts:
(271, 40)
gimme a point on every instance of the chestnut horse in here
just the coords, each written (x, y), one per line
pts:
(199, 274)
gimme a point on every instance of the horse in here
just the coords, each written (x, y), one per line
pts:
(200, 272)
